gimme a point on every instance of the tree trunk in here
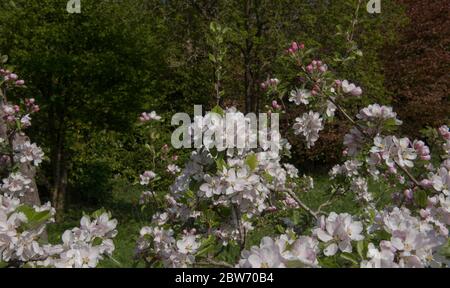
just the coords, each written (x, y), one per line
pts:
(59, 167)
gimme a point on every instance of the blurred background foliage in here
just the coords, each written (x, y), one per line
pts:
(93, 73)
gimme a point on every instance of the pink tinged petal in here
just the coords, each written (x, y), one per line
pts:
(331, 249)
(323, 236)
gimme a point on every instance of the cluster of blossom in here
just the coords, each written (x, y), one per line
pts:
(16, 185)
(12, 114)
(18, 243)
(376, 113)
(146, 117)
(11, 78)
(251, 181)
(84, 246)
(394, 151)
(295, 47)
(309, 125)
(22, 226)
(273, 82)
(336, 231)
(300, 96)
(284, 251)
(20, 237)
(413, 242)
(349, 88)
(165, 248)
(29, 153)
(371, 123)
(317, 67)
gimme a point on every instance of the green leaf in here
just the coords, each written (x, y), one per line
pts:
(361, 248)
(218, 110)
(212, 58)
(99, 212)
(421, 198)
(3, 59)
(252, 161)
(220, 163)
(34, 218)
(350, 257)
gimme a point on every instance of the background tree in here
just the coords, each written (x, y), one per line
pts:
(91, 71)
(417, 66)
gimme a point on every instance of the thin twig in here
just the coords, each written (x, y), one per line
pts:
(301, 204)
(209, 262)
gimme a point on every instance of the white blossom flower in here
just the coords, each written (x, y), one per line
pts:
(16, 184)
(350, 88)
(28, 152)
(173, 169)
(309, 125)
(441, 181)
(300, 96)
(188, 244)
(338, 231)
(147, 177)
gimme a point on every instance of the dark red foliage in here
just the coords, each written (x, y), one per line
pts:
(418, 66)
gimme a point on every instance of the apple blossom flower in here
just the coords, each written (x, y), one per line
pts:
(147, 177)
(309, 125)
(350, 88)
(300, 96)
(173, 169)
(145, 117)
(441, 181)
(28, 152)
(338, 231)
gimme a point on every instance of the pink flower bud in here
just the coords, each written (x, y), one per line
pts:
(290, 51)
(424, 213)
(314, 63)
(425, 157)
(309, 68)
(20, 82)
(426, 183)
(419, 145)
(357, 91)
(302, 46)
(274, 104)
(271, 209)
(263, 86)
(13, 76)
(338, 82)
(323, 69)
(408, 194)
(444, 131)
(294, 46)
